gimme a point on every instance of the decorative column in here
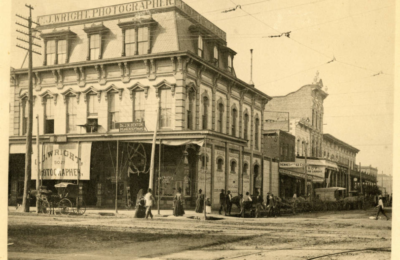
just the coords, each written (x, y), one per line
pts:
(214, 90)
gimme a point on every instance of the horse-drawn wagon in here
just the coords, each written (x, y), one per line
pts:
(332, 198)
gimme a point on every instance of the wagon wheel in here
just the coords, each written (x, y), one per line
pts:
(65, 206)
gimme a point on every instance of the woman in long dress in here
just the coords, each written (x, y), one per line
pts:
(199, 202)
(140, 211)
(178, 204)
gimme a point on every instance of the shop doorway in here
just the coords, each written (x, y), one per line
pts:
(257, 180)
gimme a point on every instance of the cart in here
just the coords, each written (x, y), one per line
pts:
(68, 198)
(332, 197)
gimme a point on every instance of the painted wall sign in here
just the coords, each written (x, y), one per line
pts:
(131, 127)
(63, 161)
(290, 165)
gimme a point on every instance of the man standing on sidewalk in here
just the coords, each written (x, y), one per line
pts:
(228, 201)
(149, 203)
(380, 209)
(222, 201)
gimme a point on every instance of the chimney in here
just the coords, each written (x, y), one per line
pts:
(251, 68)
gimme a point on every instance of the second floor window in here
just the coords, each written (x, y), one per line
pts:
(138, 106)
(95, 46)
(246, 127)
(61, 51)
(245, 168)
(51, 52)
(220, 116)
(220, 164)
(49, 116)
(113, 110)
(71, 114)
(92, 106)
(205, 113)
(233, 167)
(234, 117)
(24, 116)
(143, 40)
(165, 108)
(256, 133)
(190, 110)
(200, 49)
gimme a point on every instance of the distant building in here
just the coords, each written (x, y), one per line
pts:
(385, 184)
(279, 145)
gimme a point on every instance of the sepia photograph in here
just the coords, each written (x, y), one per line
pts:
(199, 130)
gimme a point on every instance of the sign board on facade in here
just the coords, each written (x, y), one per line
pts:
(131, 127)
(290, 165)
(63, 161)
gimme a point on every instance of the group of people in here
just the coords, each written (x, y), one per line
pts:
(146, 202)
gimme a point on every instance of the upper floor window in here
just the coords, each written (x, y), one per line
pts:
(204, 161)
(95, 43)
(205, 113)
(200, 43)
(49, 116)
(51, 52)
(138, 106)
(234, 117)
(130, 42)
(71, 114)
(246, 127)
(256, 133)
(230, 63)
(113, 110)
(245, 168)
(216, 56)
(92, 106)
(143, 40)
(24, 116)
(165, 108)
(220, 116)
(190, 110)
(62, 52)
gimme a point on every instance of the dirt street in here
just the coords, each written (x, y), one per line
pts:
(342, 235)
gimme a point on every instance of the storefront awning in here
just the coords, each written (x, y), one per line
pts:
(198, 142)
(300, 175)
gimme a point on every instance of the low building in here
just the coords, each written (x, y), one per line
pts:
(385, 183)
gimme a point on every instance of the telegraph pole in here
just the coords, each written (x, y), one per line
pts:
(305, 169)
(205, 178)
(28, 153)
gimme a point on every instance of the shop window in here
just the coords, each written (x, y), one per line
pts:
(220, 164)
(220, 117)
(49, 116)
(234, 121)
(165, 108)
(246, 127)
(200, 43)
(71, 114)
(233, 166)
(205, 113)
(113, 110)
(138, 106)
(24, 116)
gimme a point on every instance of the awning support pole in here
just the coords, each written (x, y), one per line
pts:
(38, 166)
(116, 181)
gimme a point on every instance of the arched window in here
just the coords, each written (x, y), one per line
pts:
(205, 113)
(256, 133)
(233, 166)
(245, 168)
(246, 127)
(200, 49)
(138, 106)
(220, 164)
(190, 110)
(220, 116)
(234, 117)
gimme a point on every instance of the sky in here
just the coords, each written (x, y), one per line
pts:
(350, 43)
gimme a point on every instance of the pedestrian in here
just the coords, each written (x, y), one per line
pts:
(222, 201)
(271, 204)
(259, 206)
(199, 202)
(380, 209)
(149, 203)
(228, 201)
(178, 203)
(246, 201)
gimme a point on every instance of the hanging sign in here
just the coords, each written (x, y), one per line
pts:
(63, 161)
(131, 126)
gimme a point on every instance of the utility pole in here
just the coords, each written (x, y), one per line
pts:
(205, 178)
(38, 188)
(116, 180)
(153, 149)
(28, 153)
(159, 178)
